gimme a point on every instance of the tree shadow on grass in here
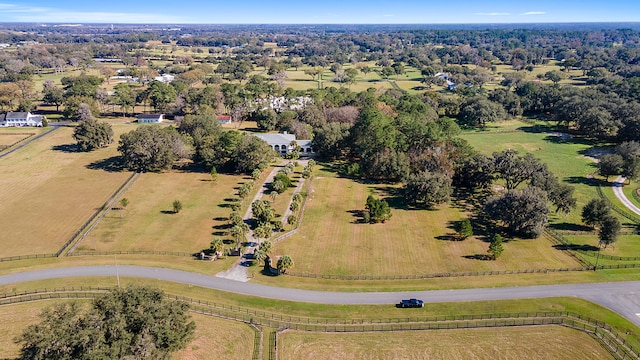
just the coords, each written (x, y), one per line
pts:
(575, 247)
(586, 181)
(394, 197)
(569, 227)
(358, 216)
(447, 237)
(483, 257)
(222, 227)
(535, 129)
(168, 212)
(67, 148)
(112, 164)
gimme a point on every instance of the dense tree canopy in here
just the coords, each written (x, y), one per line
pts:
(136, 323)
(524, 212)
(478, 111)
(251, 153)
(427, 188)
(151, 148)
(92, 134)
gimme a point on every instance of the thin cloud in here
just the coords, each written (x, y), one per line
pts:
(13, 12)
(534, 13)
(493, 14)
(388, 15)
(13, 8)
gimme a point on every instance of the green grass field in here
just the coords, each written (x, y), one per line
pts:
(332, 240)
(565, 158)
(632, 191)
(49, 190)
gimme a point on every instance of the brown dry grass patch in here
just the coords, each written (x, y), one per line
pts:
(216, 338)
(332, 240)
(10, 138)
(539, 342)
(14, 319)
(47, 192)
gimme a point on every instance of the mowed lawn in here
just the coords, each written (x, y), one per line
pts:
(333, 241)
(48, 190)
(214, 338)
(565, 158)
(148, 222)
(521, 343)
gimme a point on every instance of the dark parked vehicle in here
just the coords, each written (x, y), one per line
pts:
(411, 303)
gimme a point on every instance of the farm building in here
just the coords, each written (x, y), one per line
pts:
(150, 118)
(282, 143)
(224, 119)
(11, 119)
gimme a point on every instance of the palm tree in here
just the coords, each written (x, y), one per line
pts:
(235, 218)
(263, 231)
(292, 220)
(238, 232)
(216, 245)
(284, 263)
(266, 246)
(177, 206)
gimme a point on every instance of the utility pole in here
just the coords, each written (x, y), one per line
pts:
(117, 275)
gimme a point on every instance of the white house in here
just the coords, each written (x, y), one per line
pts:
(165, 78)
(282, 143)
(150, 118)
(11, 119)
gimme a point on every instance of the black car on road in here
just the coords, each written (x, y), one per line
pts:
(411, 303)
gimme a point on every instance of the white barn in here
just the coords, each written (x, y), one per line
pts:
(12, 119)
(281, 143)
(150, 118)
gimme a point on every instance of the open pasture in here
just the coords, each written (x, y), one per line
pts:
(48, 190)
(540, 342)
(148, 222)
(333, 241)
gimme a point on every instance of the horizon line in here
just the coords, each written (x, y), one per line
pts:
(306, 24)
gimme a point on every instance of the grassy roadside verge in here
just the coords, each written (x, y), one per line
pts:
(363, 312)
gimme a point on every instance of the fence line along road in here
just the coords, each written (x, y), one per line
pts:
(602, 332)
(617, 296)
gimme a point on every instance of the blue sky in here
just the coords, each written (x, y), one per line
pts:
(320, 12)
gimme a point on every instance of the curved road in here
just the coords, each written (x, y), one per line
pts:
(617, 190)
(621, 297)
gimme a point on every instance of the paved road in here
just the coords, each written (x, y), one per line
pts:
(617, 190)
(621, 297)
